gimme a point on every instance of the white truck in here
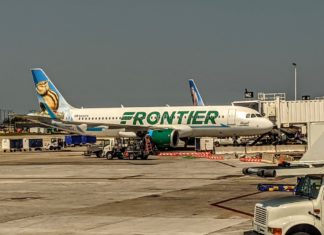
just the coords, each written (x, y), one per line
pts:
(103, 148)
(121, 148)
(299, 214)
(55, 143)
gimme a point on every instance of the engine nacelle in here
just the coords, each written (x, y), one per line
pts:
(165, 137)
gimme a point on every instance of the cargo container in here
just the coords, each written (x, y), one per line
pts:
(91, 139)
(5, 144)
(77, 140)
(35, 144)
(204, 144)
(68, 140)
(14, 145)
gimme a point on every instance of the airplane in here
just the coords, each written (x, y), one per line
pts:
(166, 125)
(195, 95)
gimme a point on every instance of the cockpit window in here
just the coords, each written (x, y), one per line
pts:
(248, 115)
(258, 115)
(253, 115)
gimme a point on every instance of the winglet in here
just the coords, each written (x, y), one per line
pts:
(195, 95)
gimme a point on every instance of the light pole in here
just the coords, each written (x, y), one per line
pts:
(295, 65)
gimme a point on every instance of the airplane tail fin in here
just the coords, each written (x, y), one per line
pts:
(48, 94)
(195, 95)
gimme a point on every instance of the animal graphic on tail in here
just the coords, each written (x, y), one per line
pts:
(50, 97)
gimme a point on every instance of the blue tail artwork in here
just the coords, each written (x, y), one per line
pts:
(195, 95)
(49, 97)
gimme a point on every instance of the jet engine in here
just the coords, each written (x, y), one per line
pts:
(165, 137)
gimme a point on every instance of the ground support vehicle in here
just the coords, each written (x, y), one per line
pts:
(109, 148)
(302, 213)
(132, 148)
(122, 148)
(101, 148)
(140, 148)
(54, 144)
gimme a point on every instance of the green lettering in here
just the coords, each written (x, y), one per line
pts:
(196, 116)
(153, 118)
(181, 114)
(126, 116)
(139, 117)
(211, 116)
(190, 117)
(169, 118)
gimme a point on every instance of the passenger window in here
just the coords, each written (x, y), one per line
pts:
(248, 115)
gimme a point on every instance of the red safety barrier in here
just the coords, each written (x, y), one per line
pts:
(207, 155)
(216, 157)
(247, 159)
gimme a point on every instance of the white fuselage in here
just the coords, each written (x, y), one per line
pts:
(190, 121)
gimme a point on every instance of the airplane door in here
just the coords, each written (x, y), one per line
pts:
(231, 117)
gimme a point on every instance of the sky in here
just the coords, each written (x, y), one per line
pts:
(142, 52)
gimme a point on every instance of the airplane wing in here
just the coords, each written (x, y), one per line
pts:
(76, 127)
(46, 121)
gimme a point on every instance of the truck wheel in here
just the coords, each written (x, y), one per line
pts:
(301, 233)
(51, 148)
(303, 229)
(99, 154)
(131, 156)
(120, 157)
(109, 156)
(144, 157)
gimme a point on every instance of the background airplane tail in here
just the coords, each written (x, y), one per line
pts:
(195, 95)
(48, 94)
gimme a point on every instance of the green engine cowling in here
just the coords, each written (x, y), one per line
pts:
(165, 137)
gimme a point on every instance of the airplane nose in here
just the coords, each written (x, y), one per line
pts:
(268, 125)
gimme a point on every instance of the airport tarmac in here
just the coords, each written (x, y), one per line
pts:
(66, 193)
